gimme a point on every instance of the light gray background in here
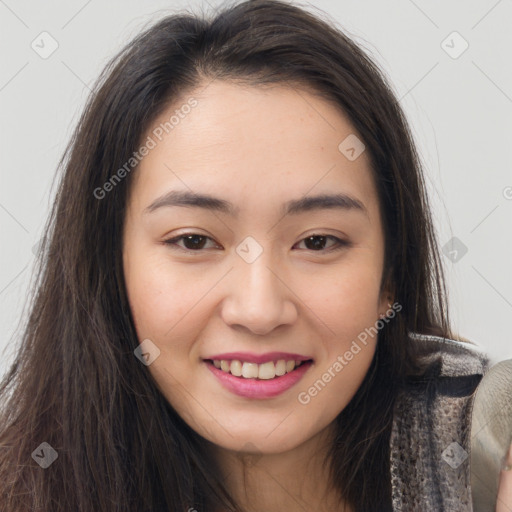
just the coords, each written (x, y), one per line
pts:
(460, 110)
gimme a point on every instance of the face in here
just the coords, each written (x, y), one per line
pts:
(250, 237)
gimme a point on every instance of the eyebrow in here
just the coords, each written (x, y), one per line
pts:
(292, 207)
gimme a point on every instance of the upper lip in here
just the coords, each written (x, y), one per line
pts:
(259, 358)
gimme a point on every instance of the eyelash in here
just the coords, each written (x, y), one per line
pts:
(340, 244)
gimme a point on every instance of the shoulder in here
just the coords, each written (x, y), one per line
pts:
(452, 358)
(431, 431)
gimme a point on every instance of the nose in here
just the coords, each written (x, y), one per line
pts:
(258, 298)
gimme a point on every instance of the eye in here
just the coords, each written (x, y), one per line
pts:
(191, 241)
(194, 242)
(318, 243)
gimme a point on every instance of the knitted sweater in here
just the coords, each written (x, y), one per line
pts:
(432, 467)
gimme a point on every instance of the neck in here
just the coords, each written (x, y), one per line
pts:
(296, 480)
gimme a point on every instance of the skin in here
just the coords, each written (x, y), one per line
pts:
(504, 501)
(257, 148)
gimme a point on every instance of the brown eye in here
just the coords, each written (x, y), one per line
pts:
(191, 241)
(194, 241)
(319, 243)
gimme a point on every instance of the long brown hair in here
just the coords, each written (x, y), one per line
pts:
(76, 384)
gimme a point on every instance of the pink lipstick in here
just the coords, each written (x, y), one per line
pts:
(263, 376)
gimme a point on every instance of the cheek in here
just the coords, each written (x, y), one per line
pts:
(162, 298)
(347, 303)
(167, 309)
(346, 298)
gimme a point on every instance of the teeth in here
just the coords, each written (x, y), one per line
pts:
(267, 370)
(236, 368)
(280, 367)
(249, 370)
(264, 371)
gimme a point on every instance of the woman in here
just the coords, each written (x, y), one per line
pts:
(241, 304)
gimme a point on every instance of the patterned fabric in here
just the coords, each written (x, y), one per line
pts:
(430, 441)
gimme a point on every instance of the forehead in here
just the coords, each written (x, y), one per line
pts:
(254, 145)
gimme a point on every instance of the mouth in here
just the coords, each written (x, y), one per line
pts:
(258, 380)
(268, 370)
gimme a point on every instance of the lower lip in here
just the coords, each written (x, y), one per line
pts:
(256, 388)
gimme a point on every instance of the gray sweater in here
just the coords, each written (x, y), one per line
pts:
(450, 430)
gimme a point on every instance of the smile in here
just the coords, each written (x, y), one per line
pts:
(264, 371)
(258, 380)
